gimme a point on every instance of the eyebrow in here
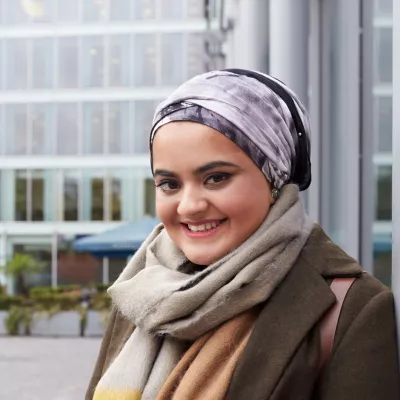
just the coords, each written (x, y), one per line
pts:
(199, 170)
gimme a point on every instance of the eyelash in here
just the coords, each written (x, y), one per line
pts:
(225, 176)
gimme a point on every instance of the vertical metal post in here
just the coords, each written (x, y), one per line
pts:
(396, 162)
(367, 191)
(247, 45)
(289, 28)
(288, 59)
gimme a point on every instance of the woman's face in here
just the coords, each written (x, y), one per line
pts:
(210, 195)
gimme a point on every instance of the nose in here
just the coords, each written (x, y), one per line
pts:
(192, 202)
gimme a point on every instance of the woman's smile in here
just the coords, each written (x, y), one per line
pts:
(203, 229)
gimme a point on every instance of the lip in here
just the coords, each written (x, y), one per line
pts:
(203, 234)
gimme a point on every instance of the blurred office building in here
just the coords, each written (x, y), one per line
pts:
(337, 55)
(79, 81)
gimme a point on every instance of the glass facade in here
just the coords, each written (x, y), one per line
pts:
(383, 112)
(90, 53)
(76, 195)
(97, 11)
(88, 128)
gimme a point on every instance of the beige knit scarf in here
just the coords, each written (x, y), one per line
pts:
(172, 308)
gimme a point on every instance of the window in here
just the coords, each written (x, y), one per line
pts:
(144, 111)
(93, 195)
(118, 62)
(196, 63)
(383, 124)
(382, 265)
(93, 128)
(116, 198)
(172, 59)
(118, 128)
(95, 10)
(93, 61)
(68, 62)
(42, 128)
(150, 197)
(67, 128)
(383, 55)
(38, 196)
(42, 64)
(21, 195)
(16, 64)
(16, 129)
(172, 9)
(145, 60)
(17, 12)
(71, 195)
(195, 9)
(40, 10)
(120, 10)
(384, 7)
(384, 193)
(120, 194)
(144, 9)
(68, 11)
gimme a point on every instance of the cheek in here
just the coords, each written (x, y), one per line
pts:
(165, 208)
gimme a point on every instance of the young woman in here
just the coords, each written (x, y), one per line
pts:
(227, 297)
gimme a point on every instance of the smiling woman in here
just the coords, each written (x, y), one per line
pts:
(227, 296)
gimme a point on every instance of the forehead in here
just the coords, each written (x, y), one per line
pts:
(184, 140)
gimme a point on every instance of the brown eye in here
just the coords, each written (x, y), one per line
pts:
(215, 179)
(168, 186)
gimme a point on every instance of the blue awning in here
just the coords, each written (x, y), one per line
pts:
(122, 241)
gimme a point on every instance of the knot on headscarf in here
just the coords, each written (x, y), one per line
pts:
(246, 111)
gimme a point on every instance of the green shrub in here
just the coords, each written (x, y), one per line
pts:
(6, 302)
(18, 318)
(100, 302)
(63, 301)
(39, 290)
(102, 287)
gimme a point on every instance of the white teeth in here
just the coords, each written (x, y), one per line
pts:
(204, 227)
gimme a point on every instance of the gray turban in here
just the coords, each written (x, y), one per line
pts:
(246, 111)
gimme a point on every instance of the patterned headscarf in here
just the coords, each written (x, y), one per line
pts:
(246, 111)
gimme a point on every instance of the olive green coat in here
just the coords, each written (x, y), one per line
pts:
(279, 361)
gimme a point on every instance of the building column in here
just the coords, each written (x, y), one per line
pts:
(247, 43)
(288, 31)
(396, 162)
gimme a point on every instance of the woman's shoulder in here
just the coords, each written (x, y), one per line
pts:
(331, 261)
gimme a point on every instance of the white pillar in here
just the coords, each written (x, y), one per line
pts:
(247, 44)
(288, 31)
(396, 161)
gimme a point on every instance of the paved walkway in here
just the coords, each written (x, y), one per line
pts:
(46, 369)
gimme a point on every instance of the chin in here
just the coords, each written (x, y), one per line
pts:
(201, 258)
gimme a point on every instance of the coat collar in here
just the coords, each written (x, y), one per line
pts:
(291, 312)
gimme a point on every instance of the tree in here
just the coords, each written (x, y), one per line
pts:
(19, 267)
